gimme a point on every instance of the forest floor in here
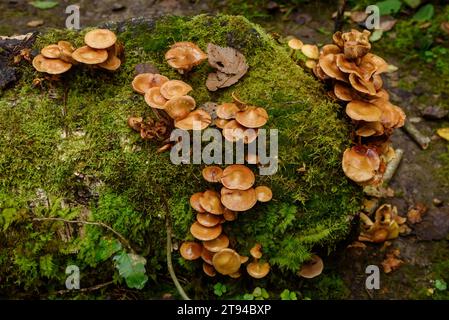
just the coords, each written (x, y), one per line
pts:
(422, 176)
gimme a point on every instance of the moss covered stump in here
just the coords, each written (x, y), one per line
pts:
(67, 152)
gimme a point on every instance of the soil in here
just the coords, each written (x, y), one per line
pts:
(415, 181)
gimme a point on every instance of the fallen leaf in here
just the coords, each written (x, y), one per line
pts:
(392, 262)
(443, 133)
(357, 244)
(387, 23)
(425, 13)
(414, 215)
(413, 3)
(358, 16)
(35, 23)
(445, 26)
(44, 4)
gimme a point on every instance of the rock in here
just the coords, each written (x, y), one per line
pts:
(35, 23)
(435, 225)
(118, 7)
(434, 113)
(437, 202)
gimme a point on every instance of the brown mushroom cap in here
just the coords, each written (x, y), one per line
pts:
(111, 64)
(263, 193)
(135, 123)
(210, 201)
(311, 51)
(100, 38)
(364, 70)
(329, 66)
(243, 259)
(155, 99)
(238, 200)
(195, 202)
(220, 123)
(330, 48)
(196, 120)
(179, 107)
(212, 173)
(145, 81)
(344, 92)
(203, 233)
(217, 244)
(190, 250)
(238, 177)
(360, 164)
(226, 261)
(235, 275)
(175, 88)
(310, 64)
(234, 131)
(208, 219)
(88, 55)
(295, 44)
(312, 268)
(229, 215)
(368, 129)
(50, 66)
(209, 269)
(66, 51)
(207, 255)
(258, 269)
(227, 110)
(361, 85)
(183, 56)
(256, 251)
(52, 51)
(361, 110)
(252, 117)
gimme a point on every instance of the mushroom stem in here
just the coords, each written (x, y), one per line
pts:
(422, 140)
(365, 219)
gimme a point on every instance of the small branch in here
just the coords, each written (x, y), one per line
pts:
(422, 140)
(340, 15)
(97, 287)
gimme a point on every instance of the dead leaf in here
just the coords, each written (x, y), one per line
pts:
(387, 23)
(357, 244)
(414, 215)
(445, 26)
(358, 16)
(443, 133)
(35, 23)
(392, 262)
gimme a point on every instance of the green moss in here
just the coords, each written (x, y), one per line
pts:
(49, 142)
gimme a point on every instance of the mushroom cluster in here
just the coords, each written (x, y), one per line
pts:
(55, 58)
(309, 51)
(213, 209)
(183, 56)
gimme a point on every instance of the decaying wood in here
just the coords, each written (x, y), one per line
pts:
(422, 140)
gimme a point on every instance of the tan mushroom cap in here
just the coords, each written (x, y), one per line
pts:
(207, 255)
(179, 107)
(66, 51)
(50, 66)
(208, 219)
(155, 99)
(52, 51)
(183, 56)
(196, 120)
(238, 177)
(212, 173)
(329, 66)
(145, 81)
(330, 48)
(191, 250)
(361, 85)
(217, 244)
(258, 269)
(111, 64)
(263, 193)
(135, 123)
(175, 88)
(310, 64)
(209, 269)
(234, 131)
(392, 116)
(88, 55)
(238, 200)
(100, 38)
(210, 201)
(220, 123)
(203, 233)
(229, 215)
(252, 117)
(364, 70)
(368, 129)
(252, 158)
(195, 202)
(361, 110)
(243, 259)
(295, 44)
(235, 275)
(360, 164)
(312, 268)
(311, 51)
(226, 261)
(256, 251)
(344, 92)
(227, 110)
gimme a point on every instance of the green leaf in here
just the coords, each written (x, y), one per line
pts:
(265, 294)
(376, 35)
(257, 292)
(293, 296)
(219, 289)
(106, 248)
(425, 13)
(413, 3)
(44, 4)
(285, 295)
(440, 284)
(389, 7)
(248, 296)
(131, 267)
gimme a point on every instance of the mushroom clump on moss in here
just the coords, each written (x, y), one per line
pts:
(183, 56)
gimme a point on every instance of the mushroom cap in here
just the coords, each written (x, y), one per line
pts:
(311, 51)
(252, 158)
(195, 202)
(252, 117)
(52, 51)
(50, 66)
(155, 99)
(229, 215)
(256, 251)
(191, 250)
(212, 173)
(238, 177)
(263, 193)
(258, 269)
(368, 129)
(363, 86)
(208, 219)
(209, 269)
(329, 66)
(243, 259)
(310, 64)
(344, 92)
(220, 123)
(312, 268)
(100, 38)
(330, 48)
(392, 116)
(175, 88)
(179, 107)
(295, 44)
(207, 255)
(235, 275)
(361, 110)
(210, 201)
(234, 131)
(88, 55)
(221, 242)
(226, 261)
(145, 81)
(238, 200)
(356, 44)
(196, 120)
(360, 164)
(135, 123)
(365, 69)
(203, 233)
(184, 56)
(111, 64)
(227, 110)
(66, 46)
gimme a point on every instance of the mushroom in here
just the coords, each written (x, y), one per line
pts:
(329, 66)
(196, 120)
(220, 123)
(207, 255)
(252, 117)
(179, 107)
(135, 123)
(89, 55)
(368, 129)
(295, 44)
(203, 233)
(190, 250)
(355, 43)
(111, 64)
(229, 215)
(66, 51)
(155, 99)
(195, 202)
(263, 193)
(243, 259)
(256, 251)
(227, 111)
(209, 269)
(52, 51)
(238, 200)
(217, 244)
(100, 38)
(310, 51)
(360, 164)
(50, 66)
(145, 81)
(238, 177)
(208, 219)
(385, 227)
(312, 268)
(183, 56)
(234, 131)
(212, 173)
(257, 269)
(361, 110)
(175, 88)
(235, 275)
(330, 48)
(310, 64)
(210, 201)
(344, 92)
(226, 261)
